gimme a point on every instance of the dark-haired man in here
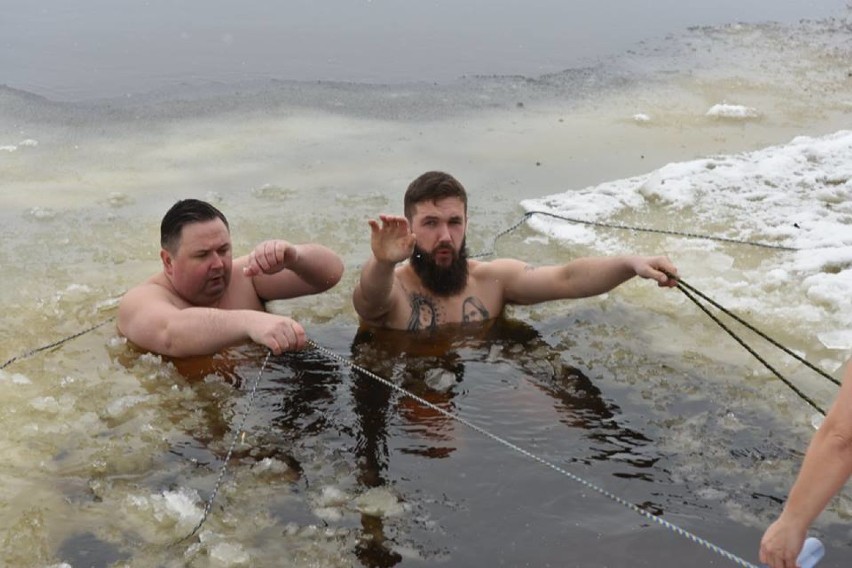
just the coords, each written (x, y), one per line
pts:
(204, 300)
(440, 285)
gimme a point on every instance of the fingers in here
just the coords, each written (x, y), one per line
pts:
(776, 559)
(251, 268)
(662, 270)
(391, 238)
(259, 260)
(393, 219)
(269, 257)
(287, 335)
(764, 556)
(781, 544)
(300, 338)
(664, 265)
(394, 225)
(666, 279)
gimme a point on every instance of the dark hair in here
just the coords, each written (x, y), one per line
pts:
(432, 186)
(182, 213)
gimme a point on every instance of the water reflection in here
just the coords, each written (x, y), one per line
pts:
(437, 366)
(336, 426)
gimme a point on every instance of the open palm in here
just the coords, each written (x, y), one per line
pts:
(392, 241)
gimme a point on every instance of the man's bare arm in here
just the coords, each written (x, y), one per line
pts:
(377, 293)
(373, 297)
(148, 318)
(826, 468)
(282, 270)
(581, 278)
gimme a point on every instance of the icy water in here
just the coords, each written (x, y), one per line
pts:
(730, 121)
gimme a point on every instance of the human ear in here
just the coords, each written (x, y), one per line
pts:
(168, 265)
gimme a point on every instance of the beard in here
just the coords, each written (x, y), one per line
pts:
(441, 280)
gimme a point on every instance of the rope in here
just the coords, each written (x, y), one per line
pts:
(682, 285)
(490, 252)
(685, 286)
(686, 289)
(209, 504)
(529, 214)
(795, 389)
(32, 352)
(635, 508)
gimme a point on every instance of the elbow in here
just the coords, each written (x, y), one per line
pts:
(840, 442)
(368, 312)
(836, 433)
(160, 342)
(335, 273)
(331, 275)
(169, 345)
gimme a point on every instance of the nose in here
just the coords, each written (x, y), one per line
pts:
(444, 233)
(218, 261)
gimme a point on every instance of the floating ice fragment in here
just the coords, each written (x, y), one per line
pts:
(328, 513)
(228, 554)
(270, 465)
(42, 213)
(838, 339)
(120, 405)
(732, 111)
(440, 380)
(641, 118)
(118, 199)
(20, 379)
(16, 379)
(332, 496)
(178, 504)
(107, 304)
(379, 502)
(45, 404)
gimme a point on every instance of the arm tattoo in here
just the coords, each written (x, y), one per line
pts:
(529, 268)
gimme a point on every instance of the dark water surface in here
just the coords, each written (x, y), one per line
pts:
(451, 495)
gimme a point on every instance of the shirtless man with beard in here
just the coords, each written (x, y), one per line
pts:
(439, 285)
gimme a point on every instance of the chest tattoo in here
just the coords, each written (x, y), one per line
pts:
(428, 313)
(473, 310)
(424, 313)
